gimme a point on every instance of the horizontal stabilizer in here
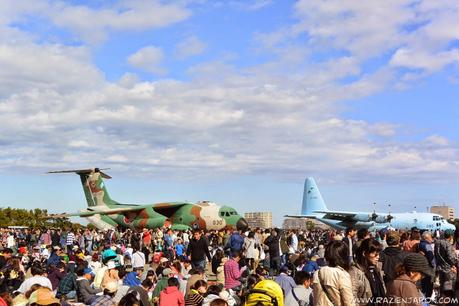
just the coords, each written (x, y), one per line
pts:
(84, 171)
(301, 216)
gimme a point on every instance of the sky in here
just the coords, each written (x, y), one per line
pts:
(235, 102)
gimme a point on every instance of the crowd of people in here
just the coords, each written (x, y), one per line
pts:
(228, 267)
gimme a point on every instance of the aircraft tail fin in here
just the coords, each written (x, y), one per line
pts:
(312, 199)
(95, 192)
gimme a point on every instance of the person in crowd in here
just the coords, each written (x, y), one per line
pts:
(122, 288)
(273, 244)
(412, 244)
(195, 298)
(171, 296)
(68, 285)
(138, 258)
(426, 248)
(446, 263)
(13, 275)
(284, 279)
(195, 275)
(111, 275)
(232, 271)
(332, 283)
(54, 257)
(198, 249)
(107, 299)
(251, 250)
(362, 234)
(133, 277)
(130, 299)
(142, 292)
(235, 242)
(349, 241)
(392, 256)
(85, 293)
(402, 291)
(302, 293)
(162, 283)
(37, 278)
(56, 274)
(366, 276)
(5, 256)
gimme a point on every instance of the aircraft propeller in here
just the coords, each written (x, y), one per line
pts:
(374, 215)
(389, 217)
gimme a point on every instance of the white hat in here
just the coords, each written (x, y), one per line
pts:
(111, 264)
(111, 286)
(163, 259)
(75, 247)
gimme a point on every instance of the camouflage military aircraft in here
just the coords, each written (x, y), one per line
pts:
(106, 213)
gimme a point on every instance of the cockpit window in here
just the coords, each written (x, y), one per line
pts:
(435, 218)
(222, 214)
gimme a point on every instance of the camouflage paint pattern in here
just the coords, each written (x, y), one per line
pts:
(106, 213)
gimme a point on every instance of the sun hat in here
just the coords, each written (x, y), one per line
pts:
(43, 296)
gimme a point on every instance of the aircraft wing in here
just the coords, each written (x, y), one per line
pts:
(89, 213)
(301, 216)
(339, 215)
(355, 216)
(168, 209)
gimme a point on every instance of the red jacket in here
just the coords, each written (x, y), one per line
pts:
(171, 296)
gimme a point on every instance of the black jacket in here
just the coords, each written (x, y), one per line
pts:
(198, 249)
(391, 257)
(273, 244)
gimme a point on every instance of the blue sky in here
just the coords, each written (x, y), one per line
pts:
(234, 101)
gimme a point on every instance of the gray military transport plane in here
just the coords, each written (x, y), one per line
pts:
(314, 207)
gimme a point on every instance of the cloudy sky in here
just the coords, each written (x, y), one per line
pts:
(231, 101)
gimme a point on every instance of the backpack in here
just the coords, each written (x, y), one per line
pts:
(236, 242)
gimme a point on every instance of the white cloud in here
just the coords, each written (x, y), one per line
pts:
(149, 59)
(94, 24)
(250, 5)
(428, 62)
(284, 117)
(190, 47)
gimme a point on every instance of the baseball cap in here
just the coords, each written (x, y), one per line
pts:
(163, 260)
(111, 264)
(167, 272)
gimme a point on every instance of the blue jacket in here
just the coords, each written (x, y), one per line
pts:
(53, 259)
(311, 267)
(131, 279)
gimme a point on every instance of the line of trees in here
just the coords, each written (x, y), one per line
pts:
(33, 218)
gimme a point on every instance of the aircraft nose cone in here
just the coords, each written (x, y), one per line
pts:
(241, 224)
